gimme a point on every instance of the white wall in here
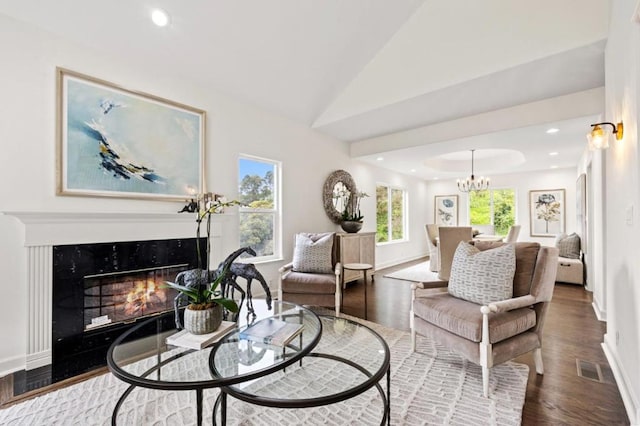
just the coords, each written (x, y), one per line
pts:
(622, 71)
(522, 183)
(27, 162)
(415, 245)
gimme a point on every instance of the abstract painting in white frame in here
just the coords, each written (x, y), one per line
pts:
(115, 142)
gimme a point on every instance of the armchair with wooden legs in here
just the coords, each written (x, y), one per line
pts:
(495, 333)
(313, 288)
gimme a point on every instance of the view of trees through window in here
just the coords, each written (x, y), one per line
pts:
(258, 215)
(495, 207)
(390, 215)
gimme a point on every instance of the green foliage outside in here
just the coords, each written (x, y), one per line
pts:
(504, 211)
(397, 216)
(382, 214)
(256, 228)
(255, 188)
(480, 208)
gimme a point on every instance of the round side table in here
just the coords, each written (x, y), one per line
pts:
(364, 267)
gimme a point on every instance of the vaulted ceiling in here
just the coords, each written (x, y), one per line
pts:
(415, 82)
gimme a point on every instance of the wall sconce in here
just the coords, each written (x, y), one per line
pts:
(599, 138)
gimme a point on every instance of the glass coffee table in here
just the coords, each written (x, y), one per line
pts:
(142, 358)
(332, 360)
(350, 359)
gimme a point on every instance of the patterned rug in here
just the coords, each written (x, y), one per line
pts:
(433, 386)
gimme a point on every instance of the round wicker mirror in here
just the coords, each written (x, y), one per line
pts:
(335, 194)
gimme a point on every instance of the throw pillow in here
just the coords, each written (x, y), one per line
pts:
(312, 253)
(482, 276)
(569, 246)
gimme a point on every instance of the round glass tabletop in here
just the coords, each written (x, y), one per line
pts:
(142, 357)
(349, 359)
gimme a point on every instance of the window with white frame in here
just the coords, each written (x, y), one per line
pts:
(391, 216)
(495, 207)
(259, 193)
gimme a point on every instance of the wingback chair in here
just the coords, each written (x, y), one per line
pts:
(495, 333)
(432, 236)
(312, 288)
(448, 240)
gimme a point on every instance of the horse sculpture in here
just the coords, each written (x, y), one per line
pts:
(228, 285)
(194, 277)
(249, 272)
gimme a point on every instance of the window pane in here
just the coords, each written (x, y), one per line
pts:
(480, 208)
(504, 212)
(496, 207)
(397, 214)
(256, 183)
(256, 231)
(382, 214)
(259, 219)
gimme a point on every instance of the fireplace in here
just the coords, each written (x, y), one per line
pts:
(101, 290)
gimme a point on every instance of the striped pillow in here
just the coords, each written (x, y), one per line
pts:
(483, 276)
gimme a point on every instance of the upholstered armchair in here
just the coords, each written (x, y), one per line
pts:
(314, 276)
(495, 332)
(432, 237)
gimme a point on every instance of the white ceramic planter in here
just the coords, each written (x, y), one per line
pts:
(203, 321)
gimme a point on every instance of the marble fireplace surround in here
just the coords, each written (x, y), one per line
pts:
(44, 230)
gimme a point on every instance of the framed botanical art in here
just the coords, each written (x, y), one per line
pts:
(446, 210)
(114, 142)
(546, 212)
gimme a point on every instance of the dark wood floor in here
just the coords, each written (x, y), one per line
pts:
(560, 397)
(571, 331)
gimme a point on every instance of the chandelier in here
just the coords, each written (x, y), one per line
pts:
(471, 184)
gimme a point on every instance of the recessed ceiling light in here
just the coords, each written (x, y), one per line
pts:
(412, 170)
(160, 17)
(554, 167)
(553, 130)
(553, 153)
(436, 178)
(379, 158)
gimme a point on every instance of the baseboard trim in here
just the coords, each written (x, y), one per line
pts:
(600, 313)
(39, 359)
(10, 365)
(626, 392)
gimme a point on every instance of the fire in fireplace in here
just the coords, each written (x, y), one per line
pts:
(126, 296)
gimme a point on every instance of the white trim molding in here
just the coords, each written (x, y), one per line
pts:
(601, 314)
(629, 399)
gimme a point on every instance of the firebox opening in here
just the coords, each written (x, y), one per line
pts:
(126, 296)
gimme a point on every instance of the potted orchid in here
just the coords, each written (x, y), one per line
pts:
(351, 215)
(204, 313)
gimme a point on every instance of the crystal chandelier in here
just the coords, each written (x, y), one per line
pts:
(471, 184)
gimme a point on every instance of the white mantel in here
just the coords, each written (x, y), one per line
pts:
(43, 230)
(58, 228)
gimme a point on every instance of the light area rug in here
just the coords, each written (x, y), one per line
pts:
(418, 273)
(431, 387)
